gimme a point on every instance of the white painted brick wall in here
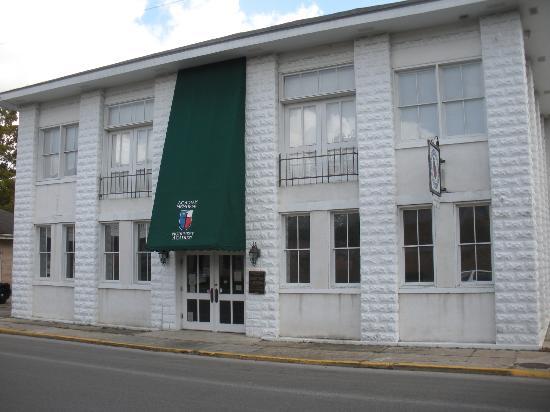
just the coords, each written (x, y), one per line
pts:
(377, 190)
(512, 180)
(163, 278)
(262, 218)
(24, 231)
(88, 268)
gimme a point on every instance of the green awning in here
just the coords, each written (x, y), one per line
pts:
(199, 200)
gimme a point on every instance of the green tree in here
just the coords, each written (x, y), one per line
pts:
(8, 153)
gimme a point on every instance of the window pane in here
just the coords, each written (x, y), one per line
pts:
(340, 230)
(192, 274)
(69, 265)
(51, 166)
(451, 83)
(295, 127)
(409, 123)
(426, 86)
(310, 125)
(111, 238)
(225, 311)
(113, 115)
(142, 145)
(353, 229)
(428, 121)
(341, 266)
(407, 88)
(304, 266)
(142, 237)
(475, 116)
(143, 267)
(51, 141)
(466, 218)
(70, 163)
(292, 266)
(484, 263)
(225, 274)
(238, 274)
(454, 118)
(303, 232)
(346, 78)
(348, 120)
(115, 266)
(411, 264)
(292, 232)
(149, 110)
(109, 266)
(328, 81)
(192, 315)
(333, 122)
(292, 86)
(238, 312)
(354, 266)
(204, 310)
(467, 263)
(409, 227)
(71, 133)
(309, 84)
(138, 112)
(204, 273)
(473, 83)
(483, 225)
(425, 227)
(69, 239)
(43, 265)
(43, 247)
(125, 113)
(426, 264)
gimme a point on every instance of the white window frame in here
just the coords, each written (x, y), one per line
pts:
(48, 253)
(333, 248)
(137, 252)
(403, 283)
(105, 253)
(473, 283)
(66, 253)
(132, 104)
(443, 137)
(286, 282)
(133, 165)
(62, 152)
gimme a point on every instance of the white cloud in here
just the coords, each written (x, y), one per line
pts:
(41, 40)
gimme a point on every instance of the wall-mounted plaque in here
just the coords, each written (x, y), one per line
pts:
(434, 167)
(256, 282)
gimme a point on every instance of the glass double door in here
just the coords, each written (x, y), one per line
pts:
(213, 292)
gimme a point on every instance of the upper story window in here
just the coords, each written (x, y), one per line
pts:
(441, 100)
(58, 149)
(318, 131)
(125, 114)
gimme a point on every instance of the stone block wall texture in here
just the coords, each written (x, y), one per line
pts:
(377, 191)
(262, 218)
(516, 261)
(163, 278)
(88, 257)
(24, 231)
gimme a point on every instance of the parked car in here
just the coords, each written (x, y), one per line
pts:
(5, 292)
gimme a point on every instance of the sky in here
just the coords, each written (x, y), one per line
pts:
(45, 39)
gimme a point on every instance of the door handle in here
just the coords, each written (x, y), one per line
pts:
(216, 294)
(211, 295)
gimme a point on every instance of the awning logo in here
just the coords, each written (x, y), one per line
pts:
(185, 219)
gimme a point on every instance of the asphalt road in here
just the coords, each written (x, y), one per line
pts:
(40, 374)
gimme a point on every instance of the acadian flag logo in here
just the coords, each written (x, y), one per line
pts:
(186, 219)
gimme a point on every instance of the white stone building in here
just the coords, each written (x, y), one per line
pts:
(337, 113)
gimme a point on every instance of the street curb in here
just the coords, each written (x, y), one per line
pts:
(411, 366)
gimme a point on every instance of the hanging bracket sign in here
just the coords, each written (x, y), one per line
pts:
(434, 167)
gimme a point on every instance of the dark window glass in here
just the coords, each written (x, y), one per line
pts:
(466, 217)
(409, 227)
(341, 265)
(292, 232)
(484, 269)
(303, 231)
(204, 310)
(425, 227)
(340, 230)
(204, 273)
(426, 264)
(292, 266)
(238, 312)
(304, 266)
(483, 226)
(192, 274)
(225, 311)
(411, 264)
(468, 262)
(238, 274)
(225, 274)
(353, 230)
(192, 310)
(354, 266)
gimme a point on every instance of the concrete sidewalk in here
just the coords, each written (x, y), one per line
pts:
(499, 362)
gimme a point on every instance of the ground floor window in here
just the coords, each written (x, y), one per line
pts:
(475, 243)
(45, 251)
(418, 245)
(69, 240)
(297, 249)
(346, 247)
(143, 256)
(111, 251)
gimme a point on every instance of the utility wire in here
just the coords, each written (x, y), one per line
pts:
(163, 4)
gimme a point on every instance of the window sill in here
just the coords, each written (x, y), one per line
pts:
(49, 282)
(44, 182)
(443, 141)
(332, 291)
(128, 125)
(457, 290)
(115, 285)
(319, 96)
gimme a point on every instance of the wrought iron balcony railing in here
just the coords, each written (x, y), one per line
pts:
(337, 165)
(120, 185)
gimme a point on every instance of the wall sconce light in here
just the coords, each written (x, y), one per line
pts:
(254, 253)
(163, 256)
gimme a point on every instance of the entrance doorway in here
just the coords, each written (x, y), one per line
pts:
(213, 292)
